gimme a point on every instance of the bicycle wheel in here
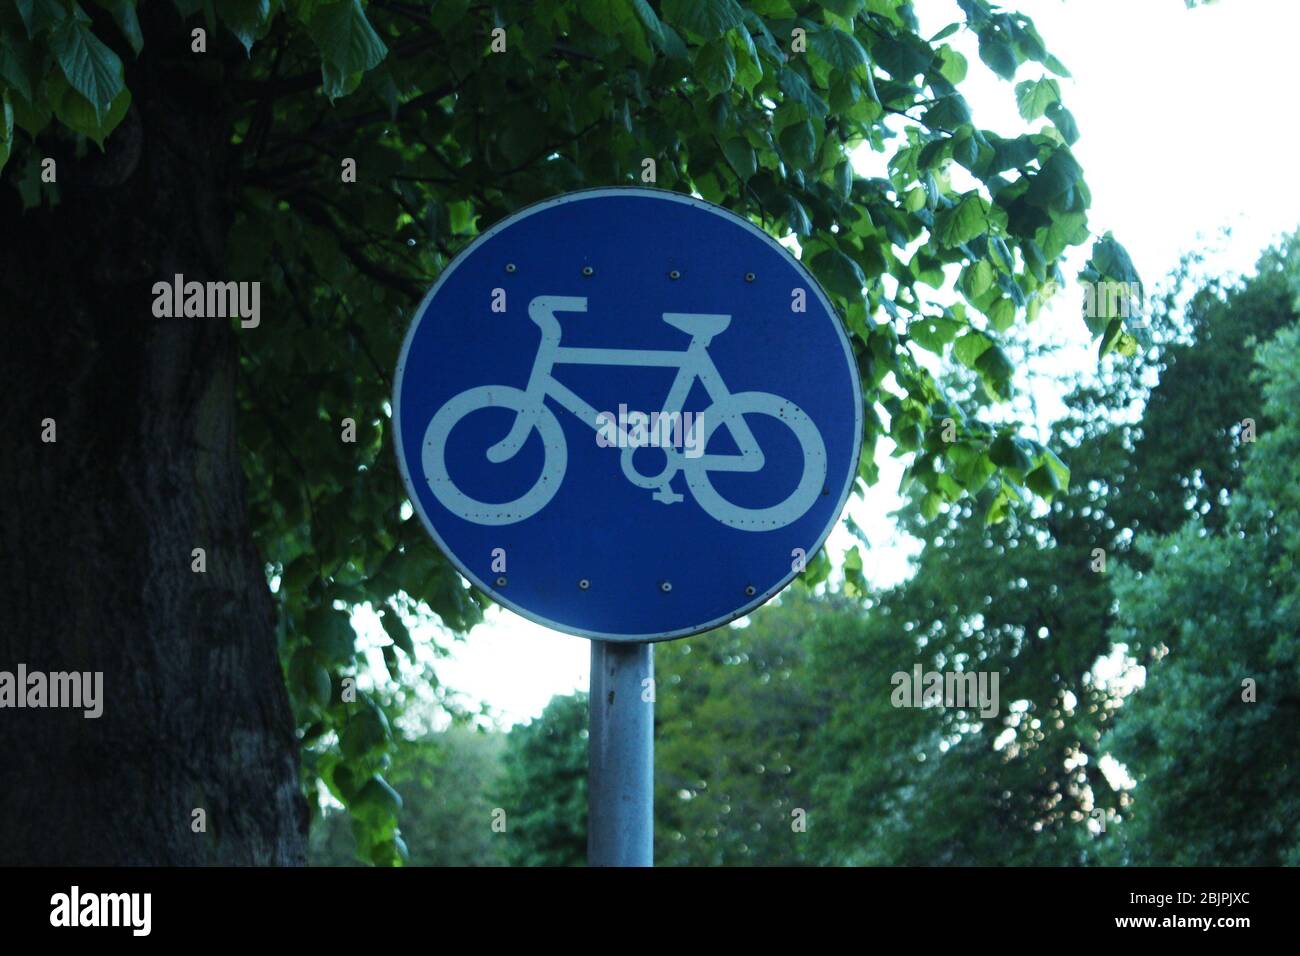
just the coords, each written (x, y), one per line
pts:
(811, 482)
(434, 456)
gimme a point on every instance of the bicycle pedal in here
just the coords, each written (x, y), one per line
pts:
(667, 496)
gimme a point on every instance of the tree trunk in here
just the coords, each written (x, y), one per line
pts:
(98, 528)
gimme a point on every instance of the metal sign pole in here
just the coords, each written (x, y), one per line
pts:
(620, 781)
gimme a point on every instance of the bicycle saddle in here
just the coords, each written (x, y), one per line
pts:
(698, 324)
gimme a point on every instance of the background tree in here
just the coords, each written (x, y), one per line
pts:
(544, 789)
(446, 781)
(734, 721)
(212, 140)
(1152, 442)
(1211, 737)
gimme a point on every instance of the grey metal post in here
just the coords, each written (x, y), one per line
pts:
(620, 779)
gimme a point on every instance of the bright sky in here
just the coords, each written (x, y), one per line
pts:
(1187, 128)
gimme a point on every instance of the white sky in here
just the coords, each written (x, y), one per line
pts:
(1188, 127)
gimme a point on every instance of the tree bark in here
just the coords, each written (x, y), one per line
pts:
(98, 528)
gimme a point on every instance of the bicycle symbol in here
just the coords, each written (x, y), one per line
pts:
(728, 410)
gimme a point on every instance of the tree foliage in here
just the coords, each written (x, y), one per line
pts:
(446, 781)
(1215, 619)
(734, 724)
(458, 113)
(544, 788)
(1153, 442)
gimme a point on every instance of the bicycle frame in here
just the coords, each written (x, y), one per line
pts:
(692, 364)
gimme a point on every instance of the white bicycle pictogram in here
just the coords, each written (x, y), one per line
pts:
(727, 410)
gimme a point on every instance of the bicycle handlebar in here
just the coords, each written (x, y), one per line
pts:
(543, 308)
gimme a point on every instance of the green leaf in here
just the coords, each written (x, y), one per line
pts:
(247, 19)
(749, 67)
(521, 136)
(619, 20)
(1043, 482)
(1111, 260)
(704, 18)
(1062, 470)
(946, 32)
(795, 215)
(839, 273)
(907, 433)
(998, 509)
(948, 112)
(963, 222)
(978, 278)
(997, 370)
(1007, 451)
(1057, 175)
(365, 730)
(1033, 97)
(336, 82)
(1064, 121)
(124, 14)
(1002, 314)
(6, 128)
(77, 113)
(998, 54)
(330, 632)
(844, 180)
(310, 677)
(965, 148)
(973, 469)
(607, 16)
(379, 797)
(844, 8)
(18, 65)
(799, 144)
(797, 89)
(741, 156)
(650, 20)
(299, 573)
(839, 48)
(933, 332)
(32, 119)
(40, 15)
(345, 38)
(715, 66)
(773, 8)
(970, 347)
(396, 630)
(952, 65)
(92, 69)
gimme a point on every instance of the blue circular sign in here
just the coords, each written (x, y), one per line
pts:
(627, 414)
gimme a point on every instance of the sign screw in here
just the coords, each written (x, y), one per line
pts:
(750, 277)
(666, 586)
(584, 584)
(588, 271)
(749, 589)
(674, 274)
(501, 581)
(510, 267)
